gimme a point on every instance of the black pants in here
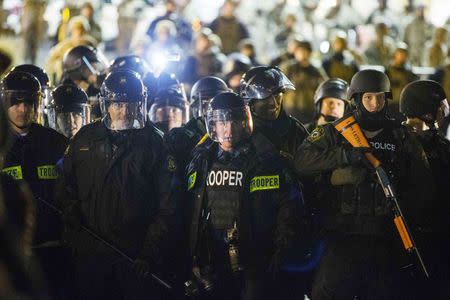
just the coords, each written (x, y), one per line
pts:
(365, 267)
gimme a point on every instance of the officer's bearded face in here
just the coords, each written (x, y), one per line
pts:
(373, 102)
(229, 133)
(332, 107)
(268, 108)
(20, 116)
(119, 113)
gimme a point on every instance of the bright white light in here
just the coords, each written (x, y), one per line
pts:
(324, 47)
(158, 60)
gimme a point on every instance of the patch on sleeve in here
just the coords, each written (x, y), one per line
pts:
(191, 180)
(260, 183)
(171, 164)
(316, 135)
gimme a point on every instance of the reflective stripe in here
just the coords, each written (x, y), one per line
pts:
(191, 180)
(265, 183)
(14, 171)
(47, 172)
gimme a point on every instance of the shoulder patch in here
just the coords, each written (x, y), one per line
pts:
(171, 164)
(316, 134)
(191, 180)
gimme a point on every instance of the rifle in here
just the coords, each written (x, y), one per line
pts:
(351, 131)
(107, 244)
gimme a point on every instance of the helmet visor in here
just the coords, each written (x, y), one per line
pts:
(229, 126)
(68, 123)
(443, 111)
(271, 82)
(123, 115)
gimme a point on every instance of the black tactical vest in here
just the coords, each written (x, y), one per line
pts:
(362, 207)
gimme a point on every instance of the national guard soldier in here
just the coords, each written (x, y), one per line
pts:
(245, 206)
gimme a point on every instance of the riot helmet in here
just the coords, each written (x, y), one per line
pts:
(170, 109)
(203, 91)
(263, 88)
(228, 120)
(375, 84)
(21, 87)
(336, 89)
(69, 110)
(123, 100)
(84, 63)
(426, 100)
(130, 62)
(44, 80)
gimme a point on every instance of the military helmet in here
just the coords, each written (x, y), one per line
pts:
(369, 81)
(421, 98)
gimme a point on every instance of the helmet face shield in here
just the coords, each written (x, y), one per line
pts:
(68, 121)
(229, 126)
(12, 98)
(123, 115)
(169, 116)
(199, 107)
(260, 86)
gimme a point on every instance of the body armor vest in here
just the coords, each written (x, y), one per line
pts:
(362, 207)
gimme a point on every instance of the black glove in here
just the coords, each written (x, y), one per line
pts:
(141, 266)
(357, 156)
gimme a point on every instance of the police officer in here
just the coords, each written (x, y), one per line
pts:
(44, 80)
(264, 88)
(116, 182)
(85, 67)
(364, 254)
(170, 109)
(244, 206)
(424, 104)
(182, 140)
(33, 157)
(130, 62)
(17, 219)
(331, 102)
(69, 110)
